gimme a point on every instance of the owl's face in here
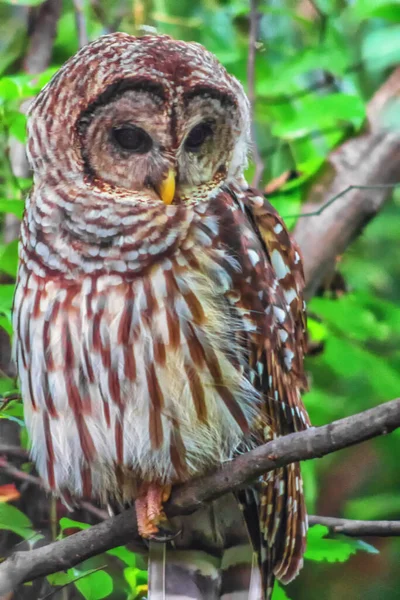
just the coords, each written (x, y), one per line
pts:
(165, 119)
(139, 140)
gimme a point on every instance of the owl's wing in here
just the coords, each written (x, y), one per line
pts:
(276, 367)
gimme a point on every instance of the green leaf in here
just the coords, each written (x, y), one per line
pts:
(6, 324)
(382, 9)
(9, 258)
(381, 47)
(14, 408)
(288, 205)
(9, 90)
(36, 82)
(17, 125)
(130, 577)
(286, 78)
(124, 554)
(135, 578)
(66, 39)
(12, 519)
(15, 207)
(378, 506)
(95, 586)
(349, 315)
(24, 2)
(6, 386)
(16, 517)
(310, 480)
(66, 523)
(61, 578)
(322, 112)
(6, 296)
(317, 330)
(279, 593)
(336, 549)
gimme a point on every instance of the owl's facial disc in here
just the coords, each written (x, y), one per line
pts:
(137, 140)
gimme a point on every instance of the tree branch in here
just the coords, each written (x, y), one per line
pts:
(371, 158)
(80, 20)
(254, 18)
(14, 473)
(350, 527)
(313, 443)
(356, 528)
(14, 451)
(44, 31)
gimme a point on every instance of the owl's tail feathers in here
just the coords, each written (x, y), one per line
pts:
(240, 574)
(156, 570)
(199, 575)
(276, 520)
(283, 520)
(262, 572)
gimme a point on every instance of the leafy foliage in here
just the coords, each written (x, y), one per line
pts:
(12, 519)
(318, 64)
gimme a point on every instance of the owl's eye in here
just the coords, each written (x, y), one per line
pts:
(132, 138)
(197, 137)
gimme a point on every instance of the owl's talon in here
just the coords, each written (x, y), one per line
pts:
(167, 537)
(149, 509)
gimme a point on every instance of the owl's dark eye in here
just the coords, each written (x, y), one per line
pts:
(132, 138)
(197, 136)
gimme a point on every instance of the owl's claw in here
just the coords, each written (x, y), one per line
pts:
(149, 509)
(164, 535)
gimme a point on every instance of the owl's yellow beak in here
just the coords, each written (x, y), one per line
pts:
(166, 189)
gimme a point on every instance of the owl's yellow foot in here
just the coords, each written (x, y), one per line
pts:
(149, 508)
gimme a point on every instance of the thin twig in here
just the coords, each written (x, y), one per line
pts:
(313, 443)
(14, 451)
(254, 19)
(19, 475)
(323, 18)
(61, 587)
(80, 20)
(357, 528)
(14, 473)
(41, 39)
(100, 13)
(349, 188)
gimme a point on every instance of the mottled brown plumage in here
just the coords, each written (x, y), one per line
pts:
(159, 320)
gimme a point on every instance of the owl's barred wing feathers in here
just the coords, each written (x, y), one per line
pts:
(276, 359)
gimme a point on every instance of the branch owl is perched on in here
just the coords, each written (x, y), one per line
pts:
(158, 313)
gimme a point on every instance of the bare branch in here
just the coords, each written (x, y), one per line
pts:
(313, 443)
(44, 30)
(80, 19)
(15, 473)
(14, 451)
(251, 92)
(356, 528)
(9, 469)
(371, 159)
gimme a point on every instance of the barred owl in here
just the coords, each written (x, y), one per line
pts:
(158, 314)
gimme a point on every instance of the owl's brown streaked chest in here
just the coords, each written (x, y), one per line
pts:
(144, 373)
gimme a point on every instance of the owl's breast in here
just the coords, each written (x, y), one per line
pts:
(143, 377)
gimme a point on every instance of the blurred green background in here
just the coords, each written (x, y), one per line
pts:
(317, 65)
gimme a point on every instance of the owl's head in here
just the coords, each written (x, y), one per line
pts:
(150, 114)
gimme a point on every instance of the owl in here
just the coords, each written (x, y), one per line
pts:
(158, 314)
